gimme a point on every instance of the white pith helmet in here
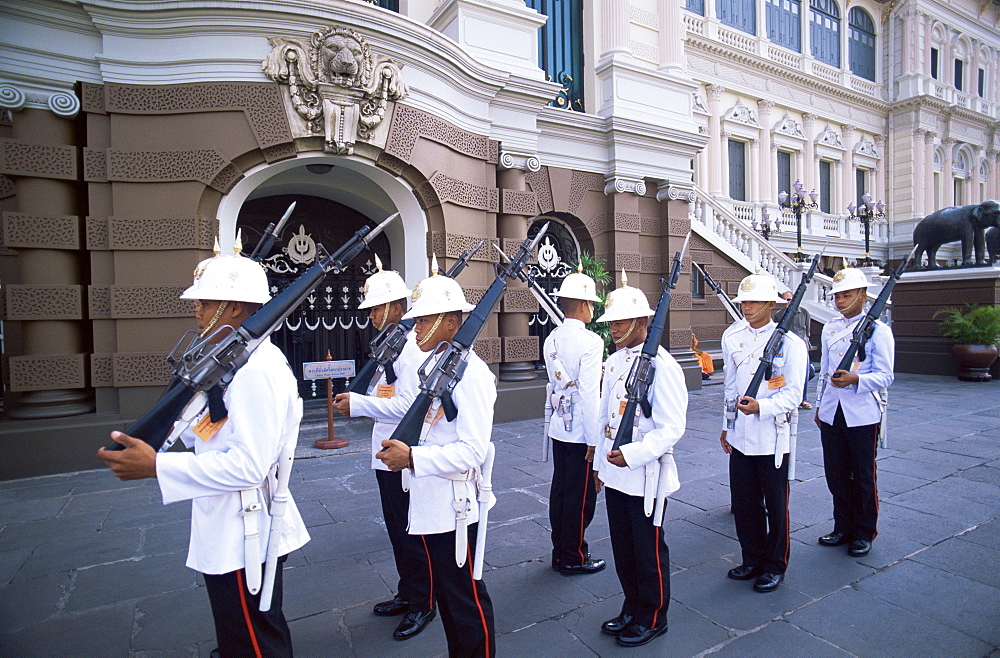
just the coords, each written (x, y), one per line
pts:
(437, 294)
(232, 277)
(759, 288)
(383, 287)
(850, 278)
(578, 286)
(625, 303)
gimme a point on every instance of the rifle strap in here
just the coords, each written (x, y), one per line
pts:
(216, 404)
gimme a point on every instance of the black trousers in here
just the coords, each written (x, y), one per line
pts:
(465, 605)
(572, 499)
(849, 463)
(241, 629)
(760, 509)
(412, 559)
(642, 559)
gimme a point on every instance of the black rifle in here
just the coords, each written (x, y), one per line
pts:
(773, 345)
(866, 325)
(546, 303)
(208, 361)
(386, 347)
(640, 377)
(438, 381)
(730, 305)
(271, 233)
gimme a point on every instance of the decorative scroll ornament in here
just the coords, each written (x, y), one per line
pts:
(336, 84)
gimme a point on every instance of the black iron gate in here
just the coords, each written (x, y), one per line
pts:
(329, 319)
(558, 255)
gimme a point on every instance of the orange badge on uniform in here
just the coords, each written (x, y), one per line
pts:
(776, 382)
(206, 429)
(385, 390)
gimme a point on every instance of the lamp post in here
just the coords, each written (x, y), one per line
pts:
(867, 213)
(765, 225)
(797, 204)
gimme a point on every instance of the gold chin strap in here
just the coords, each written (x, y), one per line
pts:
(857, 300)
(218, 314)
(385, 317)
(627, 333)
(759, 313)
(437, 323)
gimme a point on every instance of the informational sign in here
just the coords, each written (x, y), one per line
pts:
(327, 369)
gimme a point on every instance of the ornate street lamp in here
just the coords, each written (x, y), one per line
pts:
(797, 204)
(867, 213)
(765, 224)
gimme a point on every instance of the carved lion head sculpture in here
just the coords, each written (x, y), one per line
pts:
(343, 57)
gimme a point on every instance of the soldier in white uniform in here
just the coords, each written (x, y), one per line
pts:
(445, 474)
(756, 433)
(573, 359)
(385, 296)
(232, 468)
(640, 469)
(849, 414)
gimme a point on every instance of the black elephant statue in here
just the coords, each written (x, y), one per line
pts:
(965, 223)
(993, 243)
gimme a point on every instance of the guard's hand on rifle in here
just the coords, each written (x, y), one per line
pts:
(726, 448)
(342, 403)
(598, 483)
(748, 406)
(135, 462)
(395, 454)
(617, 458)
(589, 457)
(844, 378)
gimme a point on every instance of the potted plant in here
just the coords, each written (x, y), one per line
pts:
(976, 332)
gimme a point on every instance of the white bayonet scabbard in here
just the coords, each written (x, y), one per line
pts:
(649, 493)
(485, 496)
(278, 504)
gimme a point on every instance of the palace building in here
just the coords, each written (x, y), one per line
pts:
(134, 135)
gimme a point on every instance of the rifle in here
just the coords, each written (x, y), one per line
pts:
(208, 361)
(866, 325)
(271, 233)
(438, 381)
(640, 377)
(386, 347)
(774, 341)
(544, 301)
(720, 293)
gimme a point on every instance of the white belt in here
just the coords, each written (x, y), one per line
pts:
(461, 503)
(250, 509)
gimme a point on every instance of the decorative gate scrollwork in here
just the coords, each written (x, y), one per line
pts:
(558, 255)
(329, 318)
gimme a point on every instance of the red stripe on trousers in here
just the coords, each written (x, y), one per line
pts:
(583, 515)
(482, 615)
(430, 573)
(659, 574)
(246, 613)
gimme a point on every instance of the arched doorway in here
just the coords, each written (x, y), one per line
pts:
(558, 254)
(329, 319)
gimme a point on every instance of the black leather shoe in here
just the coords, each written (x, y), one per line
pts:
(636, 635)
(412, 623)
(743, 572)
(617, 625)
(768, 582)
(859, 548)
(590, 566)
(555, 563)
(834, 539)
(396, 606)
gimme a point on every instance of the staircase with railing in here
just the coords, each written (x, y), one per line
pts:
(734, 237)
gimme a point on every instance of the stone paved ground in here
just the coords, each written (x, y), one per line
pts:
(91, 566)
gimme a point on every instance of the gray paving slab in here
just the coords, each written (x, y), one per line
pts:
(865, 625)
(92, 566)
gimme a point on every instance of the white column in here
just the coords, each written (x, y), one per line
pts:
(717, 150)
(929, 172)
(615, 23)
(810, 174)
(947, 177)
(754, 170)
(919, 157)
(766, 155)
(672, 34)
(848, 177)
